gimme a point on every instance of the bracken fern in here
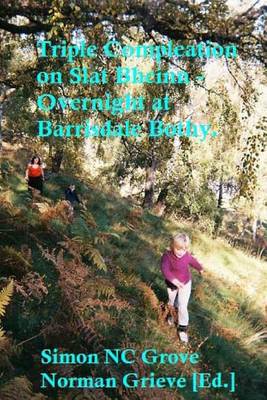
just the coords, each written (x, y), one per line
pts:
(5, 297)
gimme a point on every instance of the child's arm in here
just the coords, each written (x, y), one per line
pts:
(166, 271)
(196, 264)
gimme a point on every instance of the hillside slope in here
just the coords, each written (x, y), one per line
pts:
(95, 282)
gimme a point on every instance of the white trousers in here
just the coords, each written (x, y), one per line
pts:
(180, 297)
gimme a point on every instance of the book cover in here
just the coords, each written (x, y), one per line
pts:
(133, 202)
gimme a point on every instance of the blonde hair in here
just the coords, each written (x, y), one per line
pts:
(180, 241)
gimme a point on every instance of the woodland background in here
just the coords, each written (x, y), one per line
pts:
(94, 280)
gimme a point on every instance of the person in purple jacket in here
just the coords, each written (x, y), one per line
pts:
(175, 267)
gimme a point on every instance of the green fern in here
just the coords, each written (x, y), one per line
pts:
(5, 297)
(101, 237)
(88, 218)
(13, 262)
(96, 257)
(2, 337)
(106, 290)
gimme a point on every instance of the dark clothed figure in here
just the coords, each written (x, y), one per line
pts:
(71, 195)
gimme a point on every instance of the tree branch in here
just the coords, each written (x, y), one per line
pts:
(26, 29)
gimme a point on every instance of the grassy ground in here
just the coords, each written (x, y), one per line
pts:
(226, 309)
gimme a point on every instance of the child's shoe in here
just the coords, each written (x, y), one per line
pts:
(183, 336)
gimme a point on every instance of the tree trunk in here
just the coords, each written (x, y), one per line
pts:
(162, 195)
(254, 228)
(50, 149)
(160, 203)
(1, 137)
(150, 183)
(220, 197)
(57, 159)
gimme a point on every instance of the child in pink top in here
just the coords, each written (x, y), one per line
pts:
(175, 267)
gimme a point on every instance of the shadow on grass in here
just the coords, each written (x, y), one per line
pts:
(225, 353)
